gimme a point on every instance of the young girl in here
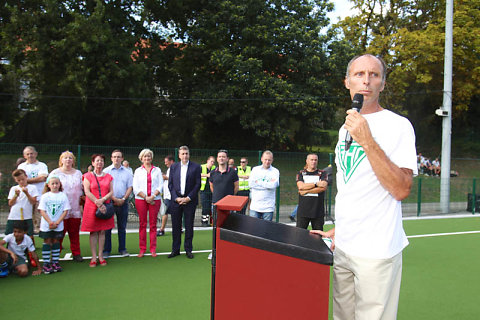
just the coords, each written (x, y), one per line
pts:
(53, 206)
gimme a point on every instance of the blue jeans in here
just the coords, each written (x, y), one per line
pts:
(261, 215)
(122, 215)
(294, 212)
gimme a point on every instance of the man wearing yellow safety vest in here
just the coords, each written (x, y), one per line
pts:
(243, 172)
(205, 192)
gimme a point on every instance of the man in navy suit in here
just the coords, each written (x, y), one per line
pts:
(184, 184)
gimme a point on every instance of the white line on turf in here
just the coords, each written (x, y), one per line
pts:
(442, 234)
(68, 256)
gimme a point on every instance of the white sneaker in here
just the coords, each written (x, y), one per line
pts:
(210, 256)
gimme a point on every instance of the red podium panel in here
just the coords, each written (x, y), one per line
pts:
(267, 270)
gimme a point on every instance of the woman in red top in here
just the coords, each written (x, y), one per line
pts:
(147, 187)
(90, 222)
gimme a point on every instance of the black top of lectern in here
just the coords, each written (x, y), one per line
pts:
(275, 237)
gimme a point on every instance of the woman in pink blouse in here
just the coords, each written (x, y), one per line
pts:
(71, 180)
(147, 187)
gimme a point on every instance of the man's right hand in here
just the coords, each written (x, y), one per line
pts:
(328, 234)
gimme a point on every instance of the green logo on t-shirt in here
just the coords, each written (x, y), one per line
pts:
(350, 160)
(54, 208)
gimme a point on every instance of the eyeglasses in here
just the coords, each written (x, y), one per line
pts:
(243, 161)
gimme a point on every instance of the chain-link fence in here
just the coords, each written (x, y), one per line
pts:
(423, 200)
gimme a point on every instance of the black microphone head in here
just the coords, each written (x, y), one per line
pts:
(357, 101)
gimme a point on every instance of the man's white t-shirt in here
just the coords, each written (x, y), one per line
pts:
(22, 205)
(368, 218)
(34, 170)
(166, 191)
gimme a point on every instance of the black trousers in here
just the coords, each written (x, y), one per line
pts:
(317, 223)
(178, 213)
(206, 199)
(244, 193)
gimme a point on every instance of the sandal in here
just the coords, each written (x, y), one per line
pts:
(103, 263)
(154, 254)
(93, 264)
(142, 252)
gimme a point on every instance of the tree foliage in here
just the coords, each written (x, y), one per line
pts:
(410, 36)
(239, 73)
(250, 69)
(76, 57)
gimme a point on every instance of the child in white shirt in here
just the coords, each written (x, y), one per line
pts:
(54, 206)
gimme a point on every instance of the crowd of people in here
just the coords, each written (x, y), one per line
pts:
(375, 165)
(65, 201)
(428, 167)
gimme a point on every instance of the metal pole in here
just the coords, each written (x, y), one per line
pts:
(214, 264)
(474, 195)
(447, 106)
(277, 204)
(330, 187)
(419, 197)
(79, 157)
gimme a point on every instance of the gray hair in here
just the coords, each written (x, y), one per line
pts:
(382, 62)
(184, 148)
(30, 148)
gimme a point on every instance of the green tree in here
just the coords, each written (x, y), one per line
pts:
(76, 57)
(251, 72)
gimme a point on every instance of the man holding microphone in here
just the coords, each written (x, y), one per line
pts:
(373, 175)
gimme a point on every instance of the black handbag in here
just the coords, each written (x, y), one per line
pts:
(109, 206)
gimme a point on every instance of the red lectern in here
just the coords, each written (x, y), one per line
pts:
(266, 270)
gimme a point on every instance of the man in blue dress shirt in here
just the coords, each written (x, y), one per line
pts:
(122, 187)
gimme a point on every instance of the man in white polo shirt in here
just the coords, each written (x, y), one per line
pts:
(37, 173)
(373, 176)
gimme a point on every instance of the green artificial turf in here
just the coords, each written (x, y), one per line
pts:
(440, 280)
(127, 288)
(441, 274)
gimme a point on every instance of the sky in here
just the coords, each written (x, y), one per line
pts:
(342, 9)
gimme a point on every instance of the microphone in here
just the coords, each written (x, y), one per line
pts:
(357, 103)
